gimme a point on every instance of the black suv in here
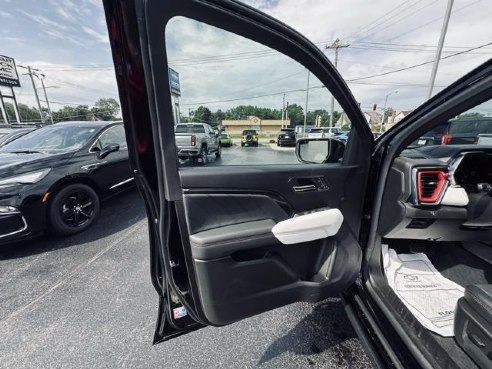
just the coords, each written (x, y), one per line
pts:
(55, 177)
(286, 137)
(466, 131)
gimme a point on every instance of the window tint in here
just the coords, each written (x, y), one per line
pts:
(462, 126)
(190, 128)
(112, 136)
(241, 88)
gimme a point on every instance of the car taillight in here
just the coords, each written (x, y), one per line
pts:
(446, 139)
(193, 140)
(475, 141)
(430, 184)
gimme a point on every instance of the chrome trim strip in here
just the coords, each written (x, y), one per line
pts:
(24, 227)
(121, 183)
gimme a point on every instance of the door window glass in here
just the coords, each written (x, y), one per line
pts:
(263, 99)
(112, 136)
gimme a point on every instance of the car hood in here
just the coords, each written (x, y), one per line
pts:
(17, 163)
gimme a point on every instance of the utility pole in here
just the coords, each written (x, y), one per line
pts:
(336, 45)
(31, 74)
(283, 111)
(306, 105)
(46, 96)
(439, 47)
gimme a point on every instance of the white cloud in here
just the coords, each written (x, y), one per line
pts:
(5, 14)
(359, 23)
(100, 37)
(44, 21)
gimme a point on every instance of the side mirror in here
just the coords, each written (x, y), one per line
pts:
(108, 150)
(319, 150)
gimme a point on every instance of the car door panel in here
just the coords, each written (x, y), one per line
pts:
(242, 268)
(212, 251)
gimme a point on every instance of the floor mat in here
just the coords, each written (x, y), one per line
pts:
(425, 292)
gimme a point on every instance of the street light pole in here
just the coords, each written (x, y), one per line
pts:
(384, 108)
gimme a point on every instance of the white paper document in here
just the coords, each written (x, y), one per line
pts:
(425, 292)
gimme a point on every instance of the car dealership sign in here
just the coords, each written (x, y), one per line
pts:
(8, 72)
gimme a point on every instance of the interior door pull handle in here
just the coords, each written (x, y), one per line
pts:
(305, 188)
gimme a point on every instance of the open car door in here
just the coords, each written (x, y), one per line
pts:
(214, 257)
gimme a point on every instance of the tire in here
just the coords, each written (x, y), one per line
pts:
(203, 155)
(218, 152)
(242, 144)
(73, 209)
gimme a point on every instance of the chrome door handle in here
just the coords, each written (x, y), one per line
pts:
(305, 188)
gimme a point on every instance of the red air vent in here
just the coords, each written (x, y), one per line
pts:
(430, 184)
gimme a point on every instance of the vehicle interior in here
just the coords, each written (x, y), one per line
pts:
(436, 221)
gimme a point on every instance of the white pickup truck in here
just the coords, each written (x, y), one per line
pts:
(197, 140)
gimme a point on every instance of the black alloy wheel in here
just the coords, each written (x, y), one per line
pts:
(73, 209)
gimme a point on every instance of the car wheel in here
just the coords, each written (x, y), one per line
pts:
(73, 209)
(203, 155)
(242, 144)
(218, 152)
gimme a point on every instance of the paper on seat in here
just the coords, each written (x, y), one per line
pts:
(425, 292)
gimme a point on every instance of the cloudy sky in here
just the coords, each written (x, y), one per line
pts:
(67, 41)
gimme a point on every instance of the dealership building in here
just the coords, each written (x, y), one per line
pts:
(265, 127)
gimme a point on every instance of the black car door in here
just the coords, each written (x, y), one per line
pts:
(214, 258)
(112, 171)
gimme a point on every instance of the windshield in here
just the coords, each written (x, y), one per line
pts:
(53, 139)
(223, 136)
(190, 128)
(316, 130)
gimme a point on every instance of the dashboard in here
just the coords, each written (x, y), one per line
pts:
(440, 193)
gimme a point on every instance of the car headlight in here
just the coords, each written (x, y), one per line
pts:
(25, 178)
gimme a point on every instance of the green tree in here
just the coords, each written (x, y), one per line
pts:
(295, 114)
(27, 114)
(67, 113)
(106, 109)
(202, 115)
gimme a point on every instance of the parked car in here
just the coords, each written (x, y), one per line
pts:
(249, 138)
(230, 242)
(286, 137)
(331, 131)
(316, 133)
(10, 134)
(197, 140)
(343, 136)
(55, 177)
(466, 131)
(225, 140)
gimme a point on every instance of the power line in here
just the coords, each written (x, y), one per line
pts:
(405, 16)
(418, 65)
(378, 20)
(430, 22)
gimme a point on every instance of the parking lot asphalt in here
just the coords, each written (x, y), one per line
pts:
(265, 153)
(86, 301)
